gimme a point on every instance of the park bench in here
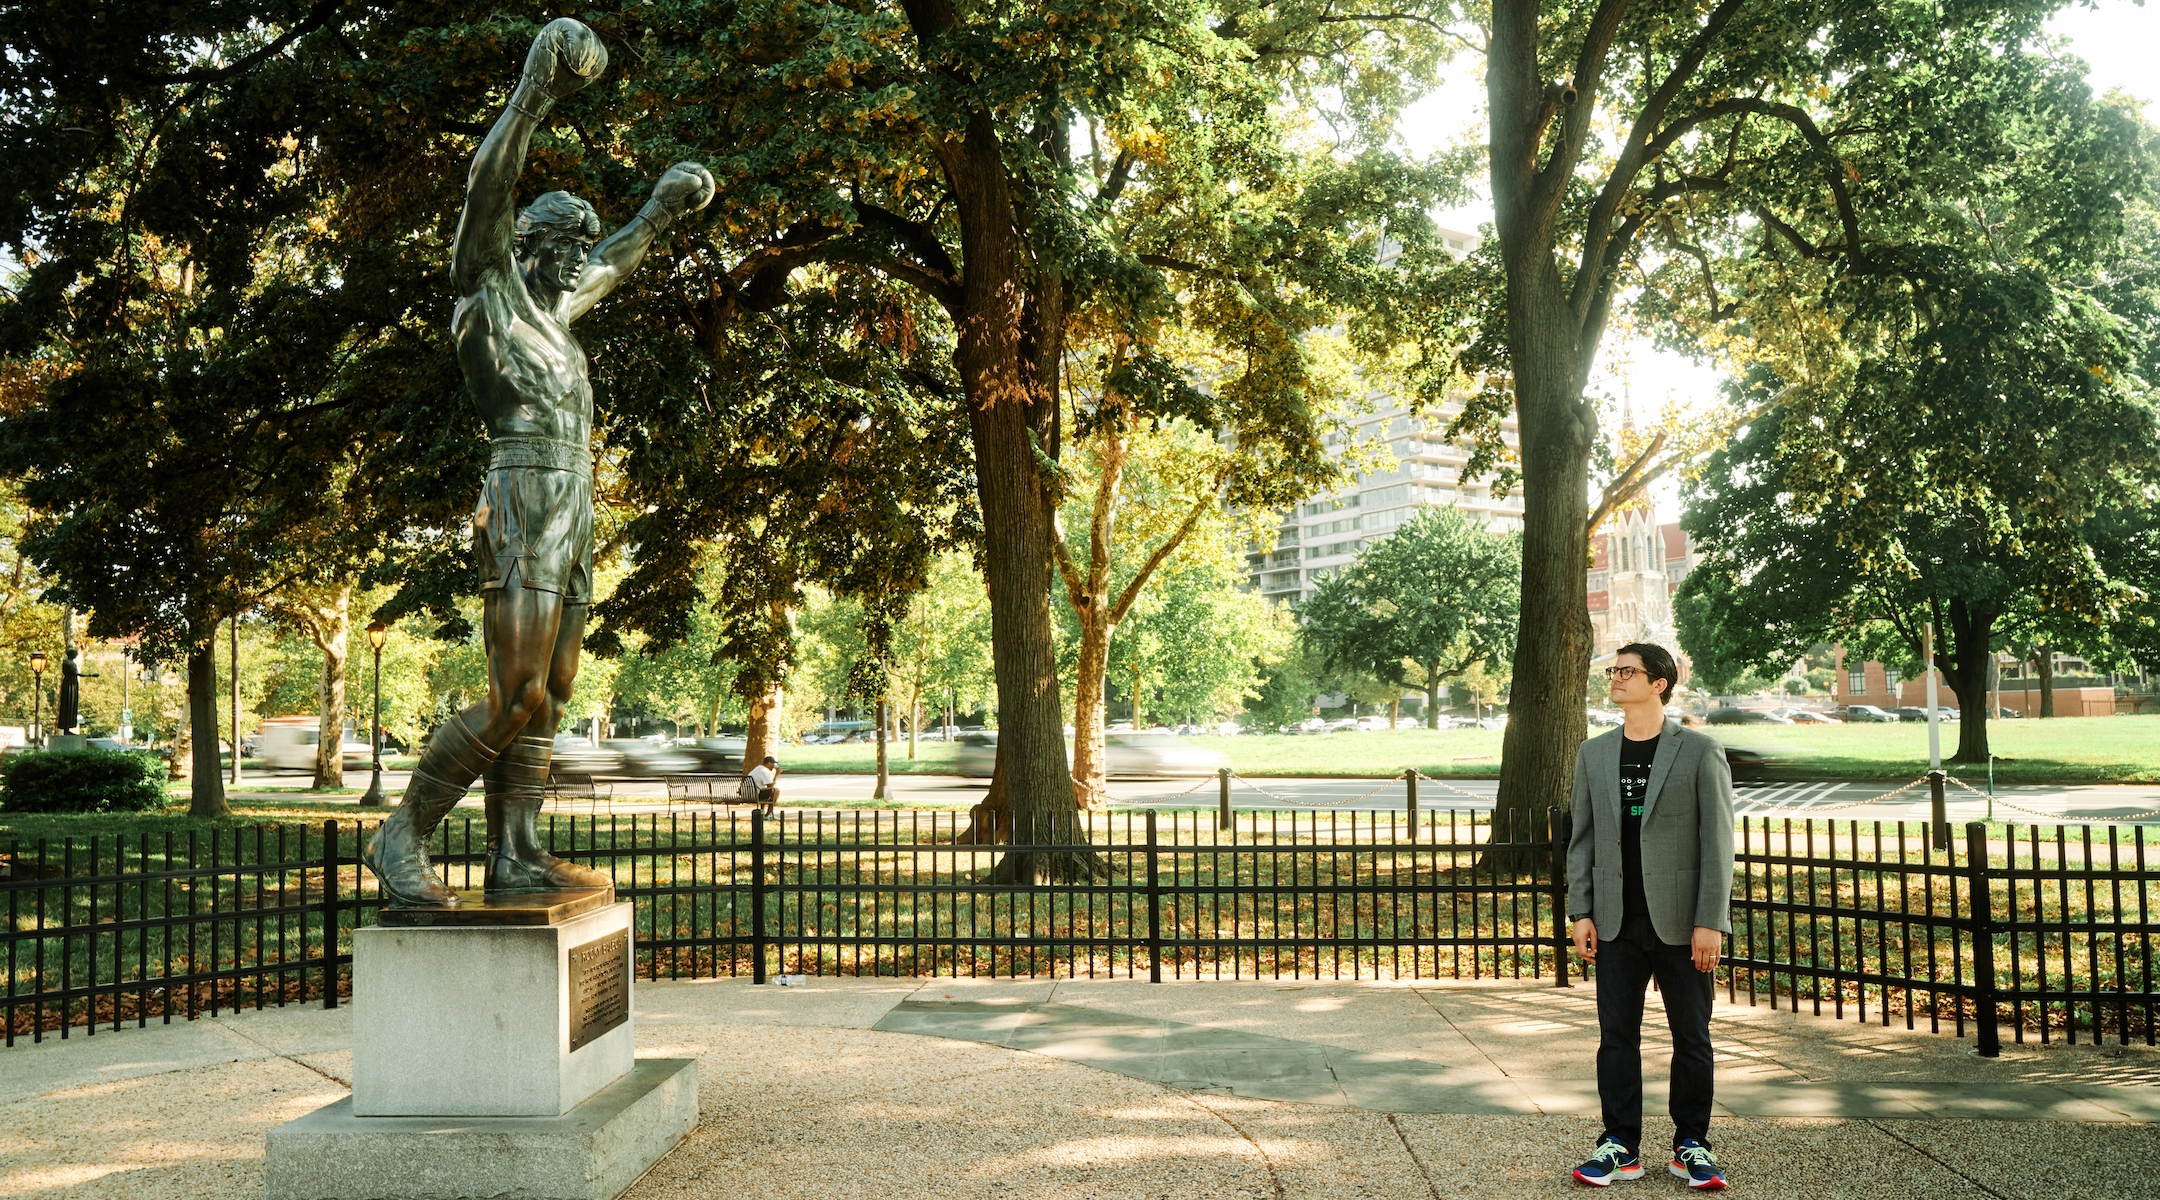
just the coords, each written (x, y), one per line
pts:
(568, 790)
(711, 790)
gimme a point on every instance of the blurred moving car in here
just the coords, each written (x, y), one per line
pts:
(1749, 766)
(1124, 755)
(1808, 716)
(641, 757)
(717, 754)
(288, 744)
(1868, 713)
(576, 755)
(1729, 715)
(1599, 717)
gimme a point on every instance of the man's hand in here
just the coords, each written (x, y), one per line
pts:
(1707, 945)
(687, 187)
(1586, 938)
(565, 57)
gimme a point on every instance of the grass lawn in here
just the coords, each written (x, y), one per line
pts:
(2062, 750)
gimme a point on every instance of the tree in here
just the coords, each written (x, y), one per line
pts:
(941, 650)
(1421, 607)
(1903, 543)
(1158, 487)
(1716, 162)
(1193, 643)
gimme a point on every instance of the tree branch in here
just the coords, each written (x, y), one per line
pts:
(315, 19)
(1597, 240)
(1170, 544)
(1620, 490)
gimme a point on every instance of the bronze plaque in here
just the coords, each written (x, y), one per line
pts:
(599, 987)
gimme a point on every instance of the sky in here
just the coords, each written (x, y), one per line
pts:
(2118, 40)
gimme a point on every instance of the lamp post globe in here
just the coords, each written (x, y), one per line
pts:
(377, 634)
(38, 663)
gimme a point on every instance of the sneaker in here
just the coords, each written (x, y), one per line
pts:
(1692, 1161)
(1608, 1162)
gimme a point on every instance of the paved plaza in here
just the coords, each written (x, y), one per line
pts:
(1284, 1089)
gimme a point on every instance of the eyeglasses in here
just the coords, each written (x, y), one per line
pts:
(1623, 674)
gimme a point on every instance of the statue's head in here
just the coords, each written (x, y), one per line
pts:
(554, 235)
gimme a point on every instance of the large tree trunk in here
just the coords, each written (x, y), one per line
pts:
(206, 798)
(332, 631)
(1432, 697)
(763, 736)
(2043, 660)
(1964, 666)
(1005, 404)
(1546, 721)
(1550, 345)
(914, 721)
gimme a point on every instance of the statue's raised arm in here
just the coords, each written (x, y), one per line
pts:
(565, 57)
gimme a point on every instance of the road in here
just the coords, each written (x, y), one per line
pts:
(2094, 803)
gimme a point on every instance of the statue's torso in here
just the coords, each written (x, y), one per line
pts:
(525, 368)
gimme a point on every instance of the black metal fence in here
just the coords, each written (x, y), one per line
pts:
(107, 931)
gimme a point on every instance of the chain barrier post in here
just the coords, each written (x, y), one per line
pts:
(1938, 815)
(1409, 778)
(1982, 901)
(1222, 798)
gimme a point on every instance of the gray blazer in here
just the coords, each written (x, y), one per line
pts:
(1687, 835)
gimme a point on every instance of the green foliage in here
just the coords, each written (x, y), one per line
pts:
(82, 781)
(1198, 639)
(1423, 606)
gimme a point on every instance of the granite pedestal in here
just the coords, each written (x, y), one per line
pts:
(492, 1057)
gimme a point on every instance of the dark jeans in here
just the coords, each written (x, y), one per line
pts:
(1625, 966)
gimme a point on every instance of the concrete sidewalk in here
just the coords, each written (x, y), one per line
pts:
(962, 1088)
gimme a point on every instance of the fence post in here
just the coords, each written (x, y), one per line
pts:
(330, 912)
(1983, 938)
(757, 895)
(1561, 932)
(1154, 906)
(1409, 778)
(1937, 815)
(1223, 820)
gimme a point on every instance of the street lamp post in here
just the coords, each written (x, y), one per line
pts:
(374, 798)
(38, 663)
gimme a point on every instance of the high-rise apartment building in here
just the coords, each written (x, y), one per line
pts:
(1324, 534)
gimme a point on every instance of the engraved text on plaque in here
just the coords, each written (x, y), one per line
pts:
(599, 987)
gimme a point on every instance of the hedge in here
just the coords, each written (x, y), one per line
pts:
(82, 781)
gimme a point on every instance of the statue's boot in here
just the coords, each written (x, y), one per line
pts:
(517, 860)
(398, 851)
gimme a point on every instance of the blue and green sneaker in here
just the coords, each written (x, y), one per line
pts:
(1692, 1161)
(1608, 1162)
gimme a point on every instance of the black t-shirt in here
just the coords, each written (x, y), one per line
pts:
(1635, 760)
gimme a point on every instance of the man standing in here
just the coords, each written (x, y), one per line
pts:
(522, 277)
(1649, 885)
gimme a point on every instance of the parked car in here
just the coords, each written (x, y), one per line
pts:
(1868, 714)
(1600, 717)
(1808, 716)
(1910, 713)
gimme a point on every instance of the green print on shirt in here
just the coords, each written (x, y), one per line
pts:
(1634, 810)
